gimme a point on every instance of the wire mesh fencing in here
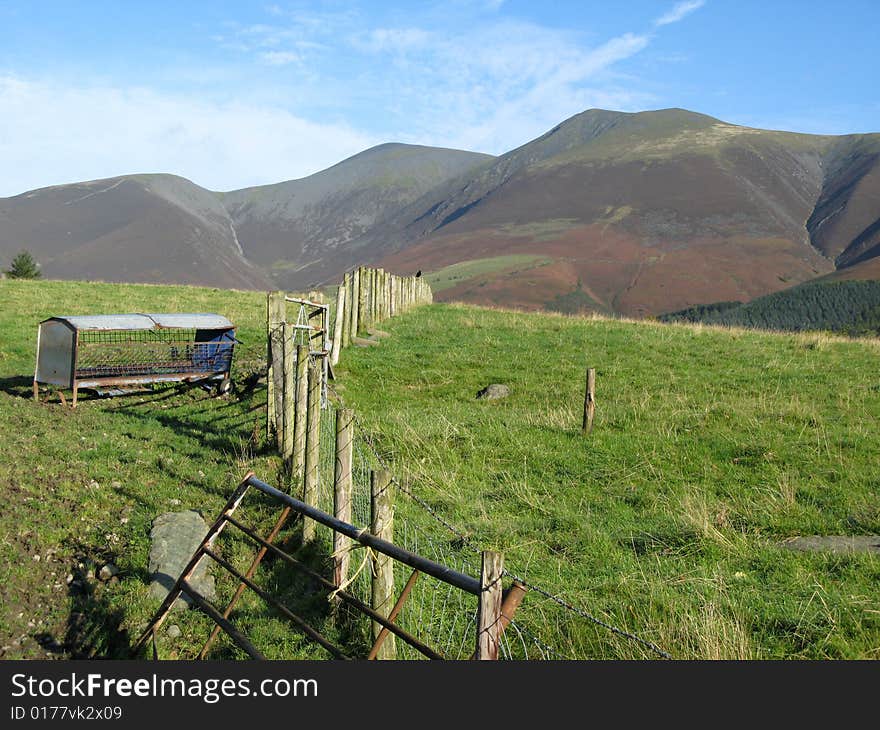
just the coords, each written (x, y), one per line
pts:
(546, 625)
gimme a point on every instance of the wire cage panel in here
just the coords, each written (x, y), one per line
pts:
(115, 354)
(133, 349)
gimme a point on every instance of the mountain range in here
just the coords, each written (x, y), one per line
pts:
(635, 213)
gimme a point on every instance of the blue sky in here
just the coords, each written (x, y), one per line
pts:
(231, 94)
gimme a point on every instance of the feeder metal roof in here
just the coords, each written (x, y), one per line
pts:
(200, 321)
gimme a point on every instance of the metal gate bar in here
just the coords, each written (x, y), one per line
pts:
(306, 629)
(258, 558)
(387, 623)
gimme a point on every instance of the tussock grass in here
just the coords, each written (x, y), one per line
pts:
(710, 446)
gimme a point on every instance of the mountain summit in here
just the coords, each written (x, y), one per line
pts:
(637, 213)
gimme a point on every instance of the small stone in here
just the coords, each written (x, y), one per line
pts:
(201, 474)
(174, 501)
(36, 558)
(115, 484)
(107, 572)
(69, 578)
(494, 391)
(123, 520)
(173, 631)
(93, 484)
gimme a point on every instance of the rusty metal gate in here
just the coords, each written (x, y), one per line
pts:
(496, 606)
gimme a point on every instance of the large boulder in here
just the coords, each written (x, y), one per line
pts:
(175, 537)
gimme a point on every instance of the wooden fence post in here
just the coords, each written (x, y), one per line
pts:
(489, 612)
(275, 307)
(313, 444)
(288, 399)
(382, 525)
(361, 320)
(589, 402)
(342, 492)
(355, 304)
(300, 419)
(392, 297)
(346, 313)
(337, 325)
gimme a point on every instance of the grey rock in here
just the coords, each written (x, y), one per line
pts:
(175, 537)
(493, 392)
(107, 572)
(173, 631)
(834, 543)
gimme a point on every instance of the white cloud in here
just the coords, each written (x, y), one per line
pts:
(495, 88)
(679, 11)
(280, 58)
(394, 39)
(51, 134)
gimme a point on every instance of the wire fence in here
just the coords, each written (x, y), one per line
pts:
(545, 627)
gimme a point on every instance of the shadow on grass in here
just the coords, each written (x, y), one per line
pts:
(18, 386)
(94, 628)
(227, 425)
(273, 633)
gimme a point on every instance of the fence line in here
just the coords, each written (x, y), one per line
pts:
(436, 615)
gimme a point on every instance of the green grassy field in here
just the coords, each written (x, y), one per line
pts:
(710, 446)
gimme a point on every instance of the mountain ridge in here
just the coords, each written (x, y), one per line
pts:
(634, 212)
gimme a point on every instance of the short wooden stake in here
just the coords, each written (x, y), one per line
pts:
(337, 326)
(589, 401)
(313, 444)
(342, 492)
(382, 525)
(489, 612)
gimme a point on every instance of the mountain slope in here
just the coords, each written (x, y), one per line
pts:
(134, 228)
(301, 229)
(609, 211)
(648, 212)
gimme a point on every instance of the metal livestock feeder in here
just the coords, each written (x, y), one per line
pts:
(112, 353)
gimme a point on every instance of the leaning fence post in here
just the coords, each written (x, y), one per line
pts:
(313, 444)
(382, 525)
(342, 492)
(489, 612)
(337, 325)
(589, 401)
(288, 399)
(275, 307)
